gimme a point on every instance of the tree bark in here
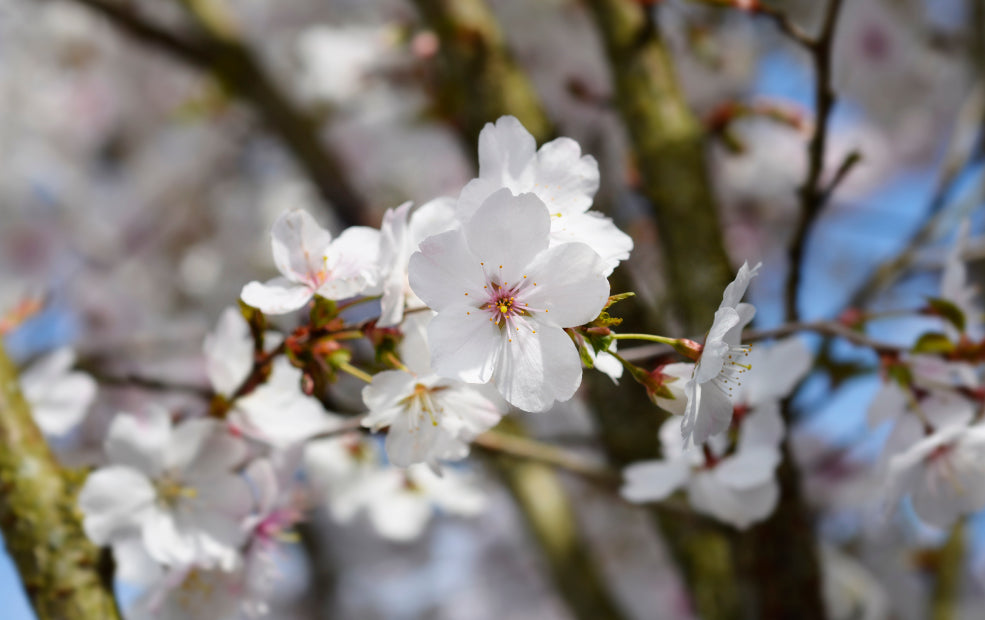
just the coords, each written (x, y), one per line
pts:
(65, 576)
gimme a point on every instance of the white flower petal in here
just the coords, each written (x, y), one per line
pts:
(597, 232)
(465, 344)
(566, 180)
(113, 500)
(276, 296)
(776, 370)
(652, 481)
(299, 244)
(708, 412)
(352, 261)
(715, 349)
(62, 403)
(187, 441)
(747, 468)
(737, 288)
(572, 295)
(445, 272)
(506, 150)
(507, 232)
(279, 413)
(394, 254)
(229, 352)
(537, 369)
(140, 441)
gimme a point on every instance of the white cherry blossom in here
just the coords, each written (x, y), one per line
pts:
(348, 475)
(723, 360)
(563, 178)
(944, 474)
(174, 487)
(429, 417)
(503, 297)
(400, 235)
(205, 592)
(59, 397)
(276, 411)
(672, 379)
(737, 488)
(312, 263)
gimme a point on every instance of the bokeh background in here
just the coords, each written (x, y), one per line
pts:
(137, 191)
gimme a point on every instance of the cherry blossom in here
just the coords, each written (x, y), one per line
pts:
(667, 391)
(429, 417)
(738, 487)
(175, 487)
(59, 397)
(503, 297)
(563, 178)
(722, 362)
(311, 263)
(276, 411)
(944, 474)
(401, 234)
(347, 474)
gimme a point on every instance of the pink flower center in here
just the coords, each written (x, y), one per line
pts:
(506, 306)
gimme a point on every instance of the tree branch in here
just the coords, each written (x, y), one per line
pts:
(220, 52)
(59, 567)
(812, 196)
(478, 80)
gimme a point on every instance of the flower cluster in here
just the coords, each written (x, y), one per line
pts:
(477, 302)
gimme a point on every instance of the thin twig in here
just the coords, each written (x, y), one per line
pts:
(149, 383)
(812, 195)
(545, 453)
(827, 328)
(786, 26)
(218, 51)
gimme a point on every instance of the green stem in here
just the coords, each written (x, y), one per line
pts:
(348, 368)
(945, 600)
(648, 337)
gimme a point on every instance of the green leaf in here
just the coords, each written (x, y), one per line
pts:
(323, 311)
(614, 299)
(948, 311)
(601, 344)
(934, 343)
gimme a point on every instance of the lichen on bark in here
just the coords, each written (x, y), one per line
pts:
(63, 573)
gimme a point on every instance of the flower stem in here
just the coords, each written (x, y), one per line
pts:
(647, 337)
(346, 367)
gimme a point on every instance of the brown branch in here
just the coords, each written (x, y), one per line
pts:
(59, 567)
(812, 195)
(478, 79)
(826, 328)
(221, 53)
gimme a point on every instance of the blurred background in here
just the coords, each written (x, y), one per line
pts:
(146, 148)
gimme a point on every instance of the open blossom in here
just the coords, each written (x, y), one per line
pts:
(276, 411)
(430, 417)
(174, 487)
(59, 397)
(503, 297)
(563, 178)
(347, 473)
(205, 592)
(944, 474)
(716, 374)
(400, 235)
(738, 487)
(311, 263)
